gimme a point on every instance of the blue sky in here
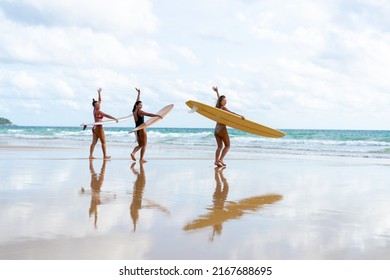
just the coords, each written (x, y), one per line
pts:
(285, 64)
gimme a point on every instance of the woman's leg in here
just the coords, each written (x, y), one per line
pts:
(136, 149)
(226, 141)
(102, 136)
(144, 140)
(219, 148)
(93, 144)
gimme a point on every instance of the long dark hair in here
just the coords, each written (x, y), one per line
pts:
(136, 104)
(93, 102)
(218, 105)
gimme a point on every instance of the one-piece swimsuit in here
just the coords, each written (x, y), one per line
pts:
(139, 121)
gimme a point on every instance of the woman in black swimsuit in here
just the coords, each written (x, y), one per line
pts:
(141, 135)
(221, 134)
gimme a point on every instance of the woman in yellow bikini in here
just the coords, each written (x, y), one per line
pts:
(220, 132)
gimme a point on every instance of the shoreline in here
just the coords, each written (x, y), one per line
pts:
(24, 147)
(158, 153)
(58, 204)
(190, 142)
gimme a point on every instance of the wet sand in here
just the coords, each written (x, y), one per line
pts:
(57, 204)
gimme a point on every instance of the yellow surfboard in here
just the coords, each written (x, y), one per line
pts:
(232, 210)
(233, 120)
(163, 112)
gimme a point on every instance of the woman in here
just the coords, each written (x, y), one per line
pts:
(141, 135)
(97, 130)
(221, 134)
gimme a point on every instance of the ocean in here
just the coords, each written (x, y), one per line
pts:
(336, 143)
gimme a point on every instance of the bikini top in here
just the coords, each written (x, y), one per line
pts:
(97, 115)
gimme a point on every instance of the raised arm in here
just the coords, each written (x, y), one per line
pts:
(143, 113)
(216, 90)
(138, 94)
(99, 95)
(224, 108)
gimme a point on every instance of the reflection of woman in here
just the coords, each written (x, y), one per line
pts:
(219, 197)
(221, 134)
(138, 201)
(98, 197)
(141, 135)
(223, 210)
(97, 180)
(97, 130)
(139, 186)
(218, 214)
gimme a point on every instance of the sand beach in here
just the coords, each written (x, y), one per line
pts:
(57, 204)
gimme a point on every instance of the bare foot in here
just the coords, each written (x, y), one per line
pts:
(142, 161)
(132, 167)
(107, 157)
(219, 168)
(133, 157)
(217, 163)
(221, 162)
(91, 157)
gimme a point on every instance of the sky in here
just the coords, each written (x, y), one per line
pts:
(285, 64)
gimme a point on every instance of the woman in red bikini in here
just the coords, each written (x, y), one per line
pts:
(220, 132)
(141, 135)
(97, 130)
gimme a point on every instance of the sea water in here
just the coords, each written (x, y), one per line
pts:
(338, 143)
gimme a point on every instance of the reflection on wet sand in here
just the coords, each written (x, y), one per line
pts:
(137, 201)
(97, 180)
(223, 211)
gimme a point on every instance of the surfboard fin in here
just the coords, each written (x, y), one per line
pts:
(193, 109)
(84, 127)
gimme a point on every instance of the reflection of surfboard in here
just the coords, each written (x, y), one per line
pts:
(233, 120)
(163, 112)
(109, 121)
(233, 210)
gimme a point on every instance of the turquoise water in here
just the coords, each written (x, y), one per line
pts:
(339, 143)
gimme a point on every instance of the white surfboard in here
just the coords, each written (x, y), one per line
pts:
(163, 112)
(109, 121)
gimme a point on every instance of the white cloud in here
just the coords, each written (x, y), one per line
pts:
(75, 47)
(115, 16)
(23, 81)
(298, 58)
(186, 53)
